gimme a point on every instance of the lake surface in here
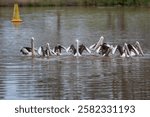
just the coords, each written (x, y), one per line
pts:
(66, 76)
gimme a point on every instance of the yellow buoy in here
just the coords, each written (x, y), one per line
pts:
(16, 15)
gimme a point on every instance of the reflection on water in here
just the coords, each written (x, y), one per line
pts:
(69, 77)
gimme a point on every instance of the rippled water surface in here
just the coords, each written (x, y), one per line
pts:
(66, 76)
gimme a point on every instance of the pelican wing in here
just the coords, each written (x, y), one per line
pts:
(139, 47)
(24, 51)
(92, 46)
(99, 43)
(136, 51)
(126, 49)
(40, 51)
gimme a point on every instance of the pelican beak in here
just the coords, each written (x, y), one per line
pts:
(101, 40)
(127, 49)
(140, 49)
(99, 43)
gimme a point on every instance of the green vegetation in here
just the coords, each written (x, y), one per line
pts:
(76, 2)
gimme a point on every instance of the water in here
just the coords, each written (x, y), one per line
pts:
(66, 76)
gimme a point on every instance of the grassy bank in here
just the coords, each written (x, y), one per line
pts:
(76, 2)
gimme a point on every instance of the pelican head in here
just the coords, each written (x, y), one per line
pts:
(77, 40)
(101, 37)
(47, 44)
(101, 40)
(32, 38)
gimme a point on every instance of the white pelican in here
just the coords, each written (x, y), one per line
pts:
(122, 50)
(78, 50)
(71, 49)
(98, 44)
(29, 51)
(134, 50)
(129, 50)
(102, 48)
(45, 52)
(49, 51)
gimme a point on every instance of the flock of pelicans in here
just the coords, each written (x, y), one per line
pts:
(101, 48)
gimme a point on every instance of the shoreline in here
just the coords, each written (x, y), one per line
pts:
(75, 3)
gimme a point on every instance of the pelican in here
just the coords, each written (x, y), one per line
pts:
(78, 50)
(58, 49)
(82, 48)
(105, 49)
(26, 51)
(122, 50)
(72, 49)
(134, 50)
(138, 47)
(129, 50)
(49, 51)
(45, 52)
(98, 44)
(29, 51)
(102, 48)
